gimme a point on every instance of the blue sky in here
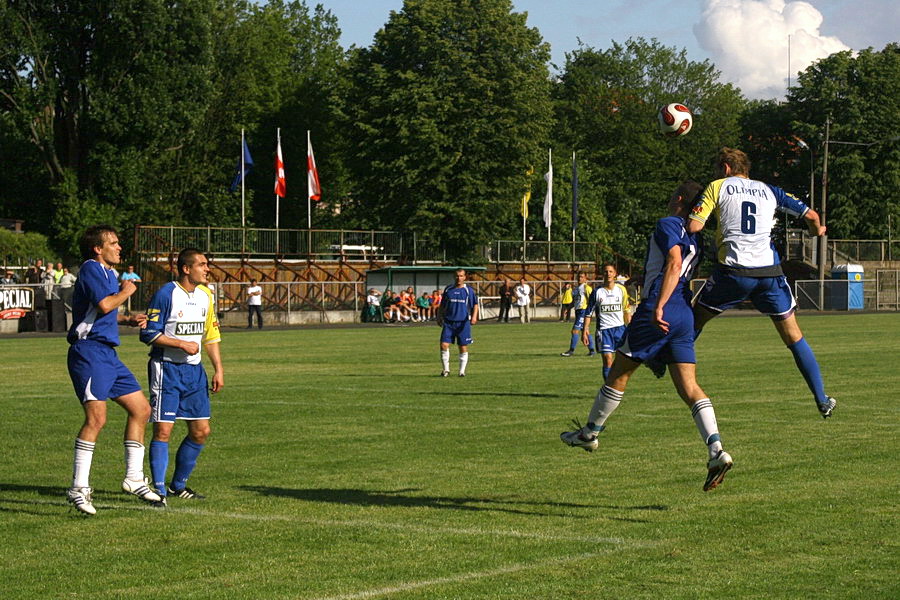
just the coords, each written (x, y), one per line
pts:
(746, 39)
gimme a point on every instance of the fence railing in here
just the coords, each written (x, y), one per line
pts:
(314, 244)
(542, 251)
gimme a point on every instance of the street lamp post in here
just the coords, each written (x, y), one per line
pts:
(812, 177)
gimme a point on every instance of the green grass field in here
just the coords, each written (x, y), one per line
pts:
(341, 466)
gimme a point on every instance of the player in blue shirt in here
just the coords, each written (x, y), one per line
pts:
(96, 371)
(748, 265)
(662, 327)
(181, 319)
(456, 315)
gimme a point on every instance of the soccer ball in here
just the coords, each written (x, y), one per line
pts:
(675, 119)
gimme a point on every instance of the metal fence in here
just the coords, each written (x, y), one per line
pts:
(887, 289)
(530, 251)
(315, 244)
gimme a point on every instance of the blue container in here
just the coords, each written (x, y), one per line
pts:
(849, 296)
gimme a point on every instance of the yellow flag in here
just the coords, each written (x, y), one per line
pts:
(527, 196)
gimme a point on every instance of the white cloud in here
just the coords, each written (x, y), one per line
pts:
(748, 42)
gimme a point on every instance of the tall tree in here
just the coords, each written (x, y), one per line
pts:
(448, 109)
(606, 103)
(861, 96)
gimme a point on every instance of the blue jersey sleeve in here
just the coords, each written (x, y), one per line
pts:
(158, 312)
(788, 203)
(669, 232)
(473, 299)
(95, 282)
(592, 302)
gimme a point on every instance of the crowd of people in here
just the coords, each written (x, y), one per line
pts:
(402, 307)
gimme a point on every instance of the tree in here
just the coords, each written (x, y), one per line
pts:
(861, 96)
(447, 110)
(606, 103)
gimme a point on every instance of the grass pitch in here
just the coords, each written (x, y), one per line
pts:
(342, 467)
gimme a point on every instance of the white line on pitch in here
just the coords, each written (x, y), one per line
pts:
(407, 527)
(454, 579)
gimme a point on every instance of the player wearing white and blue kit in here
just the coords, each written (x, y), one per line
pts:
(580, 295)
(610, 303)
(456, 315)
(662, 327)
(96, 371)
(748, 264)
(181, 317)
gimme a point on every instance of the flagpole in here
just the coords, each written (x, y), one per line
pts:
(308, 198)
(550, 195)
(574, 202)
(243, 176)
(277, 197)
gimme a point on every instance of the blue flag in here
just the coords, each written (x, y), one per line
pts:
(241, 173)
(574, 194)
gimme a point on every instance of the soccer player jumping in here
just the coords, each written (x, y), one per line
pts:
(748, 265)
(662, 327)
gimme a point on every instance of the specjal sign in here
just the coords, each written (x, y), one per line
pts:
(15, 302)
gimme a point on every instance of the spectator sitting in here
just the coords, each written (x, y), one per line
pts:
(436, 297)
(391, 304)
(408, 304)
(423, 303)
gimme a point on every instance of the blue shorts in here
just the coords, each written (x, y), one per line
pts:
(609, 339)
(580, 314)
(770, 295)
(177, 391)
(644, 340)
(457, 332)
(97, 373)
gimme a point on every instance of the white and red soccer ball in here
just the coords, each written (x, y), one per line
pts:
(675, 119)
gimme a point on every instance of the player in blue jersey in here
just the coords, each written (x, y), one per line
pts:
(181, 317)
(748, 265)
(663, 327)
(96, 371)
(610, 303)
(580, 295)
(456, 315)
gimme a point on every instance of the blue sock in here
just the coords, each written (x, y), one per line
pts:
(606, 371)
(574, 343)
(806, 362)
(185, 461)
(590, 343)
(159, 463)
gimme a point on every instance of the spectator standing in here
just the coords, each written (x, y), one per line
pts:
(96, 371)
(33, 274)
(9, 279)
(130, 275)
(373, 306)
(48, 280)
(523, 300)
(66, 287)
(254, 304)
(566, 303)
(507, 292)
(58, 273)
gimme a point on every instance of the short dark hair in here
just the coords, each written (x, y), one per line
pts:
(93, 237)
(186, 259)
(690, 192)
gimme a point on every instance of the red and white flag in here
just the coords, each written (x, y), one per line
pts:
(280, 184)
(315, 190)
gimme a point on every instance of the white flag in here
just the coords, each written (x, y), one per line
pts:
(548, 201)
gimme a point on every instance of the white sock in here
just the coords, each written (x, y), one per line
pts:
(81, 471)
(605, 403)
(705, 419)
(134, 460)
(463, 361)
(445, 360)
